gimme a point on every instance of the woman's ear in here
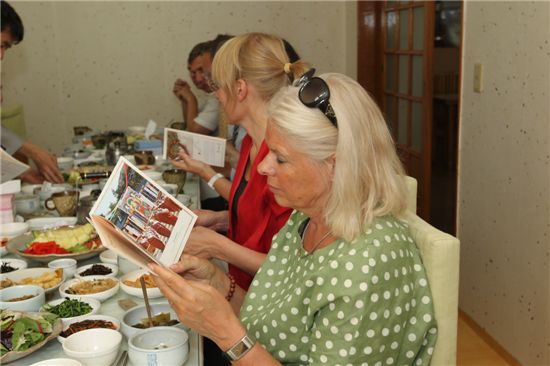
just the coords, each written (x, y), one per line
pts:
(331, 164)
(242, 89)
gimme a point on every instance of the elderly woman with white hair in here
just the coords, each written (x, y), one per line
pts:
(344, 281)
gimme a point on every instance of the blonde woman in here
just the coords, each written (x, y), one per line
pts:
(247, 71)
(343, 282)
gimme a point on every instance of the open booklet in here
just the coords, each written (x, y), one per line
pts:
(139, 220)
(208, 149)
(11, 167)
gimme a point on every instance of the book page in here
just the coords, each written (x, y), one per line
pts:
(144, 214)
(11, 167)
(208, 149)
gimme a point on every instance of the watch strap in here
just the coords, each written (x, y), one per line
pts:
(240, 348)
(214, 179)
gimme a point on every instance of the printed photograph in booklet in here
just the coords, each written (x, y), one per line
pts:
(139, 220)
(208, 149)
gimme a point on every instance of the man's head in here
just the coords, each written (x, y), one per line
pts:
(12, 28)
(199, 63)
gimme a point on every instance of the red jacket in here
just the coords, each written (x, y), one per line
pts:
(259, 217)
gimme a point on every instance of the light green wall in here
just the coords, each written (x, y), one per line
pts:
(112, 64)
(504, 182)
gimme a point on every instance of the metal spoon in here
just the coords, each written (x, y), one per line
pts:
(146, 299)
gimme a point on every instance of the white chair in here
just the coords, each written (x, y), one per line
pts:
(412, 187)
(440, 254)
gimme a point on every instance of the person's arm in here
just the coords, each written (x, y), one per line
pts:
(31, 176)
(204, 171)
(189, 107)
(46, 163)
(206, 243)
(200, 304)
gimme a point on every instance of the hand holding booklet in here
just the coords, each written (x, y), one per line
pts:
(135, 217)
(208, 149)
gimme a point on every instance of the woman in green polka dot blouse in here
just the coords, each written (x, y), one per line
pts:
(343, 283)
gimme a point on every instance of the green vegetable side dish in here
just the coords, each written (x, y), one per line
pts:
(22, 331)
(69, 308)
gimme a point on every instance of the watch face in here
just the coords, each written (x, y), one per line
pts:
(240, 349)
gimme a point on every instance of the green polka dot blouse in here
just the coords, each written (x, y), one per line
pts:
(364, 302)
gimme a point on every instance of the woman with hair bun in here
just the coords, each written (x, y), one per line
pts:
(247, 71)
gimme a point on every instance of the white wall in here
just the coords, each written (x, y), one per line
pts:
(111, 65)
(504, 183)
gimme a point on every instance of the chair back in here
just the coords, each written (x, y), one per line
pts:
(440, 254)
(412, 187)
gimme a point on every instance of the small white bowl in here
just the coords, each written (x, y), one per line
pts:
(58, 362)
(136, 314)
(29, 188)
(108, 256)
(165, 345)
(98, 346)
(32, 273)
(136, 129)
(42, 223)
(108, 318)
(65, 163)
(152, 293)
(13, 229)
(29, 305)
(15, 263)
(112, 267)
(67, 264)
(153, 174)
(99, 296)
(26, 204)
(125, 266)
(95, 305)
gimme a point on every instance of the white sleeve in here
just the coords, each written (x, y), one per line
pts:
(208, 116)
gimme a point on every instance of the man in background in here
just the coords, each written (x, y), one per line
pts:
(206, 120)
(199, 64)
(46, 163)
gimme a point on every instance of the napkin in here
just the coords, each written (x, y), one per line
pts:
(150, 128)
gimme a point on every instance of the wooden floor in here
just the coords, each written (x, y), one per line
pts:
(473, 350)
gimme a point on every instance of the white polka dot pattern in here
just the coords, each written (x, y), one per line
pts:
(363, 303)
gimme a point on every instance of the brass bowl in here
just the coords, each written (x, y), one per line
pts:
(175, 176)
(144, 158)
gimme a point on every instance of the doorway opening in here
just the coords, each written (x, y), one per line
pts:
(446, 69)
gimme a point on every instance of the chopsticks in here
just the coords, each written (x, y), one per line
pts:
(122, 359)
(146, 298)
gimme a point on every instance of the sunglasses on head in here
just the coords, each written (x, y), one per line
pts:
(314, 93)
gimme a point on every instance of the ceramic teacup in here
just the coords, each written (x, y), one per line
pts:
(26, 204)
(68, 265)
(175, 176)
(46, 192)
(65, 203)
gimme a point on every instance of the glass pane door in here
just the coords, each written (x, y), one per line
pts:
(407, 47)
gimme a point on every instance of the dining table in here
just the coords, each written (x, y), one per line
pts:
(112, 307)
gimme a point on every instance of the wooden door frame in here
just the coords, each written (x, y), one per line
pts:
(371, 76)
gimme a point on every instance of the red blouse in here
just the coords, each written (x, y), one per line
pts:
(258, 215)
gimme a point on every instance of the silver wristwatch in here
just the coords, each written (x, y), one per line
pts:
(239, 349)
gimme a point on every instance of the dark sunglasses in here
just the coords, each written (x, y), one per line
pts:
(314, 93)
